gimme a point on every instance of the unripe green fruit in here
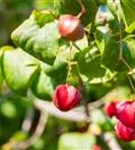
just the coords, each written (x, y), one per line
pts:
(70, 27)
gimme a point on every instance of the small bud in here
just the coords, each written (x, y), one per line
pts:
(66, 97)
(70, 27)
(124, 133)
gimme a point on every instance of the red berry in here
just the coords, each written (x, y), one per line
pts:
(110, 109)
(66, 97)
(70, 27)
(124, 133)
(126, 113)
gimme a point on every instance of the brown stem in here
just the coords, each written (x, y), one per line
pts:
(111, 141)
(121, 50)
(77, 114)
(83, 10)
(131, 83)
(38, 132)
(121, 38)
(125, 63)
(84, 97)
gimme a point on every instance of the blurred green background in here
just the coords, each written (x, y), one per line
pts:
(14, 12)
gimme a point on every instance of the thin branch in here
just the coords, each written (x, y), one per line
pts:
(38, 132)
(131, 83)
(121, 49)
(121, 38)
(77, 47)
(120, 32)
(84, 97)
(111, 141)
(73, 115)
(27, 122)
(83, 10)
(77, 115)
(125, 63)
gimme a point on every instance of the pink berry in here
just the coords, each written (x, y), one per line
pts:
(66, 97)
(124, 133)
(110, 109)
(126, 113)
(70, 27)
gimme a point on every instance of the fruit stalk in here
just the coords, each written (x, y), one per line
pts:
(83, 10)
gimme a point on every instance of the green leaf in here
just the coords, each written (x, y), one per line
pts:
(1, 76)
(82, 43)
(51, 76)
(130, 28)
(129, 10)
(19, 68)
(19, 136)
(110, 57)
(12, 110)
(102, 1)
(131, 46)
(43, 87)
(44, 4)
(98, 87)
(38, 37)
(76, 141)
(116, 8)
(43, 17)
(89, 63)
(102, 34)
(99, 117)
(40, 143)
(59, 71)
(73, 7)
(25, 5)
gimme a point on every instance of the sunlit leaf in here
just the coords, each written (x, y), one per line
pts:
(18, 68)
(78, 141)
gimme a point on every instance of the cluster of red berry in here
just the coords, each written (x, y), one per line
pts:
(125, 113)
